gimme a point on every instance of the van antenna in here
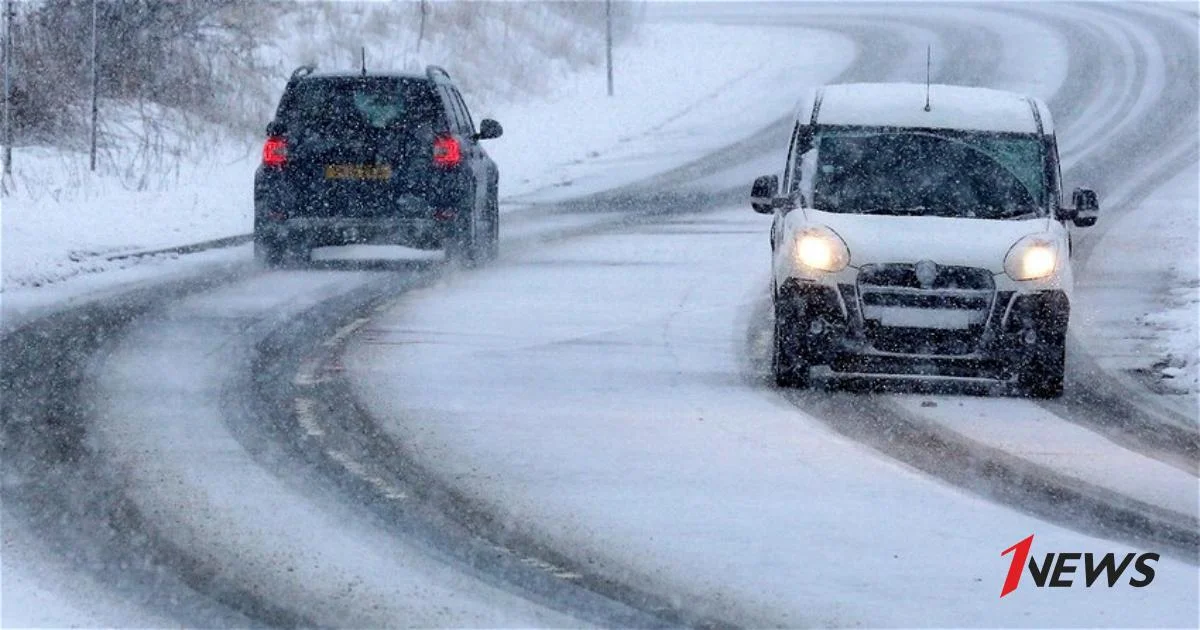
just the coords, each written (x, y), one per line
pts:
(364, 61)
(928, 65)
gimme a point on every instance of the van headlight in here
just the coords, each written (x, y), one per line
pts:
(1034, 256)
(822, 249)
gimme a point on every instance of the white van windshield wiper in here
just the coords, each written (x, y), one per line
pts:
(899, 211)
(1021, 216)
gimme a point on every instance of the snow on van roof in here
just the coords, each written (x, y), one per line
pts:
(951, 107)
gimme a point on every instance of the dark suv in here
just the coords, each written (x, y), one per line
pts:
(357, 158)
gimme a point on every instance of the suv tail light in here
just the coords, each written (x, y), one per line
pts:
(446, 152)
(275, 151)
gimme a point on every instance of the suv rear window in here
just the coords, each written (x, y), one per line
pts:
(339, 106)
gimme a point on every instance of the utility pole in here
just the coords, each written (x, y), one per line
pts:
(95, 83)
(8, 134)
(608, 41)
(421, 28)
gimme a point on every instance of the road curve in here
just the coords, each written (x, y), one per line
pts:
(63, 402)
(1118, 86)
(59, 446)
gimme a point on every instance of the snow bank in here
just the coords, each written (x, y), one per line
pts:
(683, 91)
(1140, 303)
(62, 220)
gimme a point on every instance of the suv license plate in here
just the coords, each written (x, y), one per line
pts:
(367, 172)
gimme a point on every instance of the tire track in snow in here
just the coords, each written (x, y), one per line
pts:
(880, 423)
(378, 468)
(1141, 131)
(329, 428)
(56, 481)
(1094, 400)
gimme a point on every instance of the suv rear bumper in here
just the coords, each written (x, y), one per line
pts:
(423, 233)
(286, 211)
(834, 332)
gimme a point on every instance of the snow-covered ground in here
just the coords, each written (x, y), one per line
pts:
(37, 592)
(1141, 301)
(605, 406)
(61, 222)
(1024, 429)
(601, 402)
(579, 140)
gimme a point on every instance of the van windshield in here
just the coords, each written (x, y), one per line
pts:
(926, 173)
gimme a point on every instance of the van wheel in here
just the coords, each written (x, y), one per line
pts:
(1042, 377)
(788, 362)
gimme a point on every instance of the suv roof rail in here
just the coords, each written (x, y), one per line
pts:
(434, 71)
(304, 70)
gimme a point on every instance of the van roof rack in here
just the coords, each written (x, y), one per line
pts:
(303, 71)
(435, 71)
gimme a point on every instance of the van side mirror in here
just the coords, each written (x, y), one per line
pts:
(489, 129)
(762, 194)
(1087, 207)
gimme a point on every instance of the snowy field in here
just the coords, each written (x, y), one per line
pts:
(1142, 302)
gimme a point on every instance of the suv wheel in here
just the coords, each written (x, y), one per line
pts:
(1042, 376)
(269, 253)
(788, 362)
(462, 246)
(274, 254)
(493, 238)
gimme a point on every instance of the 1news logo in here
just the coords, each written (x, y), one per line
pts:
(1059, 567)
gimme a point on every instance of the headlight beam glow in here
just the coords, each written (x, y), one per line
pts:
(1031, 258)
(821, 249)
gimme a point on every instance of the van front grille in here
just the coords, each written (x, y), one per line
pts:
(941, 313)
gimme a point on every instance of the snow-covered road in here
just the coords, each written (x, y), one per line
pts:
(601, 400)
(581, 434)
(604, 399)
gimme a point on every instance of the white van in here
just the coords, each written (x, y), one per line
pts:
(920, 231)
